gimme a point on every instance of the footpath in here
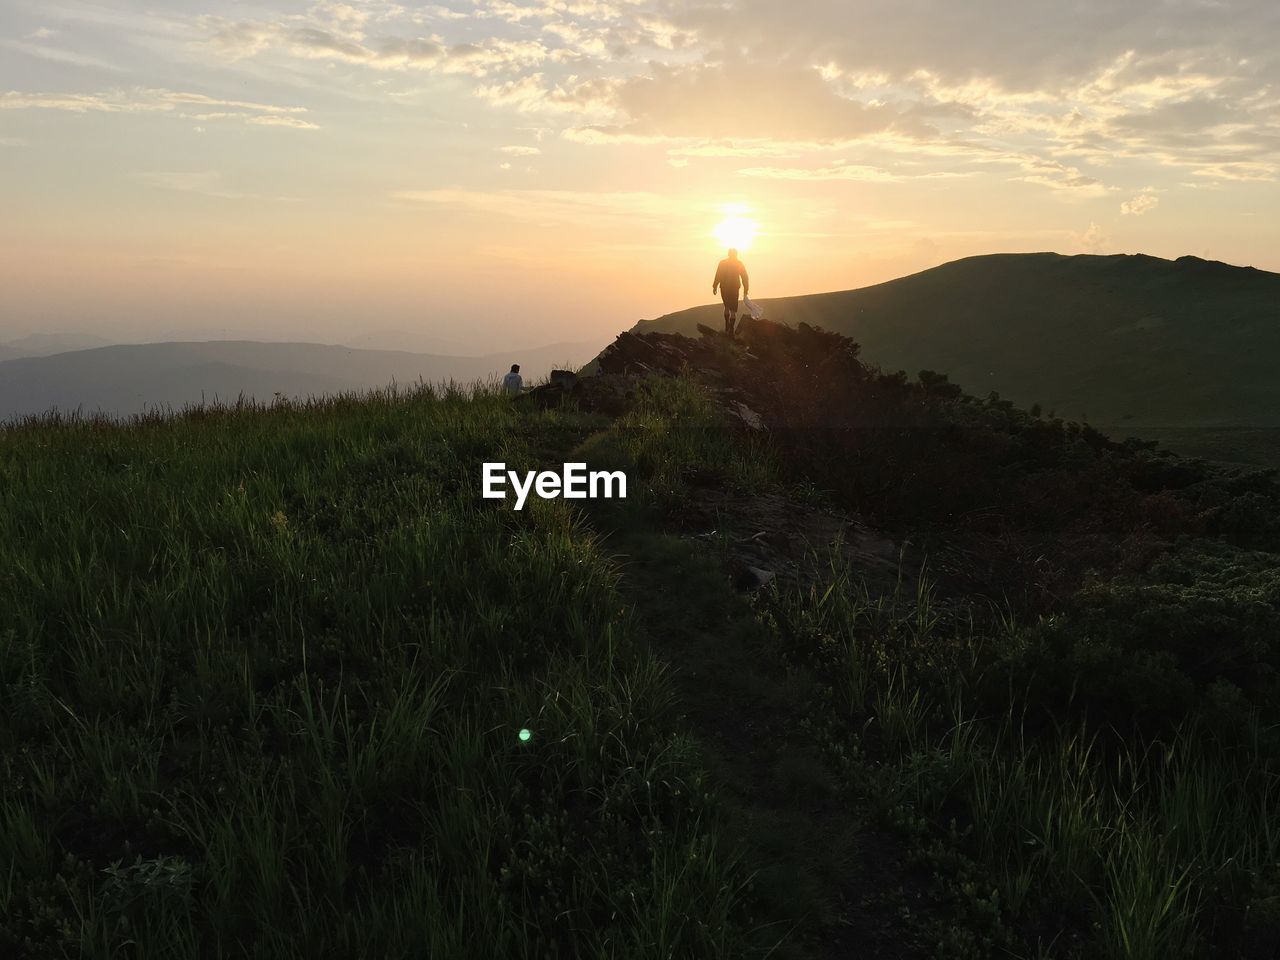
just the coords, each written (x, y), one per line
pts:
(828, 882)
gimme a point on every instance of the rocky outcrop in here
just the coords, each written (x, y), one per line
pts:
(769, 377)
(748, 374)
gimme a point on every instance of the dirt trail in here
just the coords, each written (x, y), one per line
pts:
(829, 883)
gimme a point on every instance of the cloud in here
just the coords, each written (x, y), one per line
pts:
(1176, 83)
(205, 182)
(272, 120)
(1239, 171)
(340, 42)
(138, 100)
(850, 172)
(578, 39)
(437, 12)
(519, 151)
(1058, 96)
(1139, 205)
(604, 208)
(1033, 45)
(1060, 177)
(81, 103)
(237, 39)
(1092, 240)
(599, 10)
(534, 94)
(172, 102)
(751, 148)
(58, 54)
(845, 171)
(612, 136)
(200, 98)
(737, 99)
(1179, 77)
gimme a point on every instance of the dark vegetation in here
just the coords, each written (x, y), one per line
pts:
(262, 675)
(1028, 505)
(1182, 351)
(1083, 686)
(264, 670)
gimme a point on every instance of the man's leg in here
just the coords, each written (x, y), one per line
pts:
(730, 310)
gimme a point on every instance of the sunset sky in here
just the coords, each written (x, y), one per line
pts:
(501, 172)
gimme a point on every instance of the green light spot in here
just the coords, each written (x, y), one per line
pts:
(525, 735)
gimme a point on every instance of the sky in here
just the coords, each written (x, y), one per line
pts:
(521, 172)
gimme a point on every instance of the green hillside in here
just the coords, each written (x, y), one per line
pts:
(1124, 341)
(918, 675)
(263, 677)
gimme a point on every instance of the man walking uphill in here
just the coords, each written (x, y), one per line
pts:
(729, 274)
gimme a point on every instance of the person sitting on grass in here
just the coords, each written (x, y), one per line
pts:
(512, 382)
(729, 274)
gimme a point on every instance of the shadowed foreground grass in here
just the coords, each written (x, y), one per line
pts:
(1073, 788)
(263, 673)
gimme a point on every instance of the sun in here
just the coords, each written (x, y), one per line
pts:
(736, 229)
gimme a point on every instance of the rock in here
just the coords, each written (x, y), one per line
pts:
(746, 415)
(746, 576)
(565, 379)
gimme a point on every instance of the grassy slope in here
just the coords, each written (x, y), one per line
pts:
(262, 673)
(1062, 787)
(261, 678)
(1130, 341)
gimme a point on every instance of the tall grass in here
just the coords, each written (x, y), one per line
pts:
(1090, 842)
(264, 669)
(1097, 844)
(674, 429)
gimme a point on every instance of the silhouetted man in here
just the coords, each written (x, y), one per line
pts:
(729, 274)
(512, 383)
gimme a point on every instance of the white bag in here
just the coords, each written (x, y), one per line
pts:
(752, 308)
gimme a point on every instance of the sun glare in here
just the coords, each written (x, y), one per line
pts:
(736, 230)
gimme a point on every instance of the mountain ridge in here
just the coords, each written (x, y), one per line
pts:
(1117, 339)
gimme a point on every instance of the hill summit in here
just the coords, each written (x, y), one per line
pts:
(1039, 498)
(1124, 340)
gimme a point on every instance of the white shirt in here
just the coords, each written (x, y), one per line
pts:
(512, 382)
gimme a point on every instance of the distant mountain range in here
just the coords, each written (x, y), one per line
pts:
(44, 344)
(1123, 341)
(125, 379)
(413, 341)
